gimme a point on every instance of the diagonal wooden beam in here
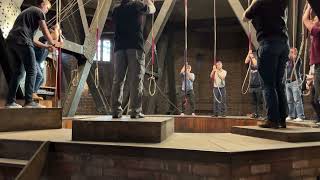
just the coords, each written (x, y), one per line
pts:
(89, 49)
(34, 167)
(83, 17)
(239, 10)
(160, 23)
(73, 47)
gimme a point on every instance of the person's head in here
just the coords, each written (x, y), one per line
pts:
(55, 31)
(189, 68)
(293, 54)
(44, 5)
(219, 65)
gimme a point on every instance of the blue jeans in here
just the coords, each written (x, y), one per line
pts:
(23, 58)
(41, 55)
(272, 58)
(294, 98)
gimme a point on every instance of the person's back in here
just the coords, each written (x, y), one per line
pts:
(25, 26)
(128, 25)
(269, 18)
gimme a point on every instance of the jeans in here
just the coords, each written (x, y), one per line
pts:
(190, 100)
(220, 101)
(132, 63)
(272, 58)
(294, 98)
(257, 100)
(315, 104)
(41, 55)
(24, 59)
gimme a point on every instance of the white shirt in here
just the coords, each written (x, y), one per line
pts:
(218, 82)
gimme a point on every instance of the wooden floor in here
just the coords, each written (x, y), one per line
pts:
(218, 142)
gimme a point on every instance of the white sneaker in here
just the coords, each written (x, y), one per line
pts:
(13, 106)
(289, 118)
(33, 105)
(298, 120)
(193, 114)
(182, 114)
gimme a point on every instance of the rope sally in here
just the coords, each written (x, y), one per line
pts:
(96, 72)
(152, 79)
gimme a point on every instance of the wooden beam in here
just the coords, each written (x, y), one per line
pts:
(160, 23)
(74, 92)
(73, 47)
(34, 167)
(239, 10)
(83, 17)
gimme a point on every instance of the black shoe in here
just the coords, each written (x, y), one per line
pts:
(137, 116)
(269, 124)
(117, 116)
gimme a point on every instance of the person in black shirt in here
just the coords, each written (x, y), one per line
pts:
(21, 48)
(129, 54)
(269, 17)
(255, 85)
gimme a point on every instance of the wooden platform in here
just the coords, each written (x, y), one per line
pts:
(290, 134)
(104, 128)
(30, 119)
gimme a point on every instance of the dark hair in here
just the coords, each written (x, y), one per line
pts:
(41, 1)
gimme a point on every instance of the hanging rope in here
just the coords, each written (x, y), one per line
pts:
(152, 80)
(185, 50)
(96, 72)
(215, 51)
(248, 74)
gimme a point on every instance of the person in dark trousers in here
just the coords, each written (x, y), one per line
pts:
(129, 54)
(269, 17)
(313, 25)
(21, 48)
(310, 87)
(293, 82)
(255, 85)
(187, 93)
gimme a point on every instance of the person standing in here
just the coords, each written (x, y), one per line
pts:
(313, 26)
(129, 54)
(21, 48)
(218, 76)
(187, 93)
(255, 85)
(310, 87)
(272, 35)
(293, 83)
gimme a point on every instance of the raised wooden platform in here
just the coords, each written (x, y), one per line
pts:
(30, 119)
(290, 134)
(104, 128)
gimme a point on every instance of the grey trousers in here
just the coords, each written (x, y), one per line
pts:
(132, 63)
(219, 108)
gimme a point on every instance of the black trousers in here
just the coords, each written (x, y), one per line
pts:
(272, 58)
(24, 60)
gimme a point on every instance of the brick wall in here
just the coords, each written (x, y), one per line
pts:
(110, 162)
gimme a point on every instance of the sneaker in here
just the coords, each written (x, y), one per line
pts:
(269, 124)
(137, 116)
(182, 114)
(193, 114)
(298, 120)
(33, 105)
(317, 123)
(289, 118)
(13, 105)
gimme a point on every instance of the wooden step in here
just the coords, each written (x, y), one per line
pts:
(13, 162)
(290, 134)
(106, 129)
(30, 119)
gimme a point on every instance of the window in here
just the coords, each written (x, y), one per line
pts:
(104, 51)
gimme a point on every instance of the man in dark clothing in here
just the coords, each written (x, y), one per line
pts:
(255, 85)
(21, 47)
(129, 54)
(269, 17)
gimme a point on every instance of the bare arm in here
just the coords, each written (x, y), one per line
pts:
(222, 75)
(306, 19)
(40, 44)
